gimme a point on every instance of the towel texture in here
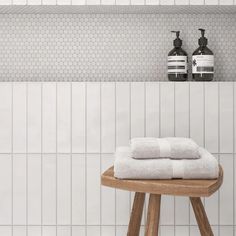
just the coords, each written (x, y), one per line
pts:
(126, 167)
(175, 148)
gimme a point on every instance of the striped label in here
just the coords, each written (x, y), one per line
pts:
(177, 64)
(203, 64)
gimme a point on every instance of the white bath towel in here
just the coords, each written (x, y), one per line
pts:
(126, 167)
(173, 147)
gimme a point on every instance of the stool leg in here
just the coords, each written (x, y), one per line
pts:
(153, 215)
(136, 214)
(201, 216)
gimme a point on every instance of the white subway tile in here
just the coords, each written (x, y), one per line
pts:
(121, 230)
(108, 2)
(197, 112)
(19, 189)
(167, 230)
(34, 231)
(6, 117)
(63, 2)
(182, 210)
(34, 117)
(49, 2)
(226, 117)
(167, 2)
(93, 230)
(78, 230)
(196, 2)
(6, 2)
(78, 189)
(182, 2)
(122, 114)
(123, 2)
(226, 190)
(107, 195)
(5, 191)
(63, 231)
(93, 2)
(182, 231)
(63, 189)
(152, 2)
(19, 117)
(108, 117)
(211, 117)
(108, 231)
(49, 231)
(19, 2)
(137, 2)
(34, 2)
(78, 117)
(78, 2)
(152, 109)
(63, 117)
(226, 230)
(49, 189)
(167, 109)
(93, 117)
(182, 109)
(226, 2)
(49, 117)
(137, 109)
(93, 189)
(6, 230)
(211, 2)
(19, 231)
(194, 231)
(34, 189)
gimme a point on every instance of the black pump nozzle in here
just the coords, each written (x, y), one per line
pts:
(177, 41)
(203, 40)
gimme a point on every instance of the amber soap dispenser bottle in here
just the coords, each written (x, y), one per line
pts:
(203, 61)
(177, 61)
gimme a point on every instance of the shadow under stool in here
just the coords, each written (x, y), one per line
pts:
(194, 189)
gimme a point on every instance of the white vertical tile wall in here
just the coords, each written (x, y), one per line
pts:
(57, 138)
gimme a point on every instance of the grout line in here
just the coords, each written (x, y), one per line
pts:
(56, 153)
(174, 136)
(218, 155)
(41, 158)
(86, 207)
(233, 160)
(27, 159)
(100, 156)
(12, 160)
(71, 160)
(115, 148)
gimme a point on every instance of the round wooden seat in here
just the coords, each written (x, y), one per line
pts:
(194, 189)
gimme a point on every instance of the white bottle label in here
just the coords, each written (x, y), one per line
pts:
(203, 64)
(177, 65)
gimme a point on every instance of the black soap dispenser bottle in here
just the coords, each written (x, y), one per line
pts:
(177, 61)
(203, 61)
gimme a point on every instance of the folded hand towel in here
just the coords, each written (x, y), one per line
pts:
(126, 167)
(174, 147)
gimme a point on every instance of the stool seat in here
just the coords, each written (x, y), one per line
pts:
(194, 189)
(175, 187)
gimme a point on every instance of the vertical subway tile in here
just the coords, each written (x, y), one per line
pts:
(226, 190)
(6, 230)
(167, 129)
(34, 189)
(78, 230)
(78, 189)
(78, 117)
(137, 110)
(78, 2)
(226, 117)
(107, 195)
(197, 112)
(49, 117)
(64, 189)
(49, 189)
(34, 231)
(19, 189)
(226, 2)
(34, 117)
(34, 2)
(182, 2)
(93, 189)
(63, 117)
(49, 230)
(6, 117)
(167, 2)
(63, 231)
(19, 231)
(93, 117)
(93, 230)
(108, 231)
(19, 117)
(63, 2)
(5, 191)
(211, 117)
(211, 2)
(108, 117)
(49, 2)
(19, 2)
(152, 109)
(182, 231)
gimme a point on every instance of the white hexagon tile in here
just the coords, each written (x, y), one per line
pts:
(107, 47)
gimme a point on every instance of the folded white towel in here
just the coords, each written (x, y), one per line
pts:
(126, 167)
(174, 147)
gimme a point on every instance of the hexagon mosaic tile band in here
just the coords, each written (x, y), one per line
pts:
(108, 47)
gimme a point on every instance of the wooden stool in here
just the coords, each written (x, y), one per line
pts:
(194, 189)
